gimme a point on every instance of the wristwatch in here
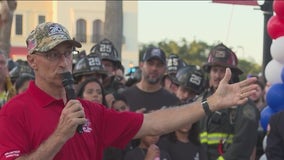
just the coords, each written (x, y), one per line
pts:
(205, 107)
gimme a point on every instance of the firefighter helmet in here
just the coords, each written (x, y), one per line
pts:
(221, 55)
(190, 77)
(174, 63)
(11, 64)
(21, 68)
(88, 65)
(77, 55)
(106, 50)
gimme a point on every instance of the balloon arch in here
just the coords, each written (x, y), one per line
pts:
(274, 70)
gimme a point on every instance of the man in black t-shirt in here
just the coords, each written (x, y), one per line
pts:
(149, 94)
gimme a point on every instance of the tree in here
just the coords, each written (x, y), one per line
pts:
(113, 27)
(191, 52)
(6, 18)
(196, 53)
(248, 68)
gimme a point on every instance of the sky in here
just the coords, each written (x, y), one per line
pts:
(239, 27)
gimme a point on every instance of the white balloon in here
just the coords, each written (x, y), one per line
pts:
(264, 144)
(273, 72)
(263, 157)
(277, 49)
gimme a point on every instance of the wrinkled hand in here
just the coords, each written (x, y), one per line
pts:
(153, 152)
(228, 95)
(71, 116)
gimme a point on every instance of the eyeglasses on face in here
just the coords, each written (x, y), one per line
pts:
(54, 55)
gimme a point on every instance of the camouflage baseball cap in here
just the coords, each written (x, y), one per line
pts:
(48, 35)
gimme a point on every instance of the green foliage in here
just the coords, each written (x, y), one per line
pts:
(248, 68)
(196, 53)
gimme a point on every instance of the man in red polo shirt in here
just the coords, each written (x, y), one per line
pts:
(41, 124)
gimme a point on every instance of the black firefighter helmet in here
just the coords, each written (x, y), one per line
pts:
(106, 51)
(88, 65)
(174, 63)
(21, 68)
(190, 77)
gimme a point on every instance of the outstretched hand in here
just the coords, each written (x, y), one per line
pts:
(228, 95)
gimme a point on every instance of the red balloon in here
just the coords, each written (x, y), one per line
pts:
(278, 7)
(275, 27)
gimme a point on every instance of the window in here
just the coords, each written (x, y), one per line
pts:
(81, 30)
(97, 31)
(41, 19)
(19, 24)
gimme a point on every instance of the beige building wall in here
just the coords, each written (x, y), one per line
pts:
(67, 12)
(30, 11)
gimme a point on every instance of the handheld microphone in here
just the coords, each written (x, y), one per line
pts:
(67, 81)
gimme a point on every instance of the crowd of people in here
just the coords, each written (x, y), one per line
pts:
(164, 109)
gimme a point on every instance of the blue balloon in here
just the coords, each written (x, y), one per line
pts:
(278, 108)
(275, 97)
(265, 115)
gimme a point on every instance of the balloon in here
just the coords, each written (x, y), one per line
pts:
(275, 27)
(273, 72)
(265, 115)
(277, 49)
(264, 142)
(263, 157)
(282, 75)
(275, 97)
(278, 7)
